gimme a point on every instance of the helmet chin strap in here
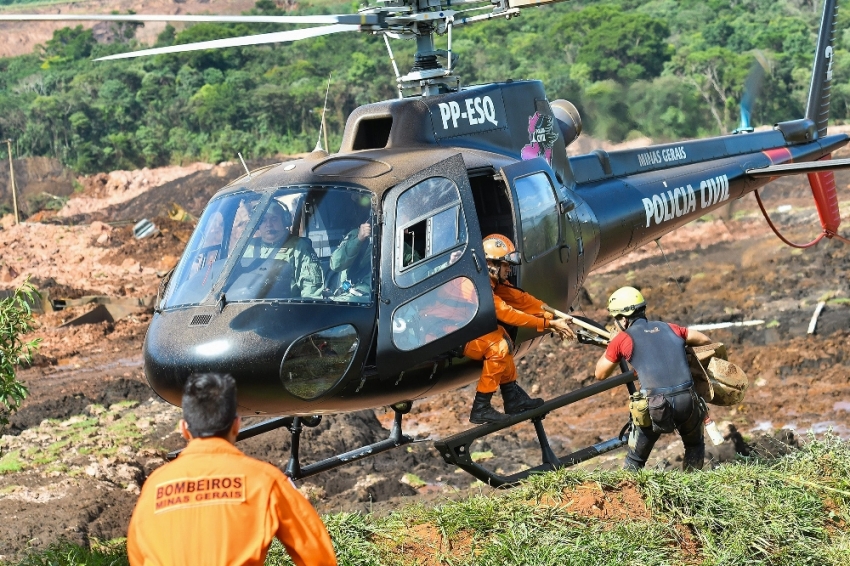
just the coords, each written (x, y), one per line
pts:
(619, 324)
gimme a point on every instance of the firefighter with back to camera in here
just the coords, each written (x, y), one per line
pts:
(517, 308)
(213, 504)
(667, 400)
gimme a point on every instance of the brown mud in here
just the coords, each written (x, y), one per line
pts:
(91, 430)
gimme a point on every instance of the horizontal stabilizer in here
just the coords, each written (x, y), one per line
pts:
(798, 168)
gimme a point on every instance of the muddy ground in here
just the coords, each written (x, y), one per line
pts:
(91, 430)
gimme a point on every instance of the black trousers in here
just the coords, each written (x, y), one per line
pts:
(687, 417)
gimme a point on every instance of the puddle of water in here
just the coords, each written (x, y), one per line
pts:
(841, 406)
(763, 426)
(835, 428)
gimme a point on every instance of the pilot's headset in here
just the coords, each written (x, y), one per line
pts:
(283, 210)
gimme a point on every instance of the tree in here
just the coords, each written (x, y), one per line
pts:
(15, 321)
(67, 45)
(623, 46)
(718, 75)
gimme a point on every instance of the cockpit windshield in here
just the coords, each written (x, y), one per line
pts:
(299, 244)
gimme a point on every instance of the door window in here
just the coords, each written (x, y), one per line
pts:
(430, 225)
(437, 313)
(539, 213)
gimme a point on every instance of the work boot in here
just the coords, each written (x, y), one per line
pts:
(516, 400)
(483, 412)
(694, 458)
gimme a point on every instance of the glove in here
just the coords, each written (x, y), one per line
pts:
(562, 329)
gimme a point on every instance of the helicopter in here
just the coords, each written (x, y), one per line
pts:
(425, 177)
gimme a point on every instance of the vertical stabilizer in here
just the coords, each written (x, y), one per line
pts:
(817, 108)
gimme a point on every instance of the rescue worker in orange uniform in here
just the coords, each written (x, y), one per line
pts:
(213, 504)
(517, 308)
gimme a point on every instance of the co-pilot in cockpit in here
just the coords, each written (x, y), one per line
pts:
(278, 245)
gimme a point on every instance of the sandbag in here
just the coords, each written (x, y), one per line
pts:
(717, 380)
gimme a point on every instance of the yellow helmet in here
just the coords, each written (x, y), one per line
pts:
(500, 248)
(625, 301)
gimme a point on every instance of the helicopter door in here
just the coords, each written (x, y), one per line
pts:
(545, 261)
(435, 292)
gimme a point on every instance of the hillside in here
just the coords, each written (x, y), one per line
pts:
(21, 38)
(87, 387)
(666, 70)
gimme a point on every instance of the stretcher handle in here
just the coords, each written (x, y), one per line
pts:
(578, 322)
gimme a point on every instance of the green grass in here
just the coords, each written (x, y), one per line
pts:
(112, 553)
(11, 462)
(787, 511)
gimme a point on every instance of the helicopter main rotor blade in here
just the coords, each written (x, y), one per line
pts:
(276, 37)
(799, 168)
(350, 19)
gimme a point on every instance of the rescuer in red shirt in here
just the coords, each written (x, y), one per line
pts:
(656, 350)
(213, 504)
(517, 308)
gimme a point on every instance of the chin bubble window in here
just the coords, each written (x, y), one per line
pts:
(315, 363)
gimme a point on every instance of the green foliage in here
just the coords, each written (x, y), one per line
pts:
(660, 68)
(65, 553)
(15, 321)
(614, 44)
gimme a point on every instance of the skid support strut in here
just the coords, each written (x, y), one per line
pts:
(456, 449)
(396, 438)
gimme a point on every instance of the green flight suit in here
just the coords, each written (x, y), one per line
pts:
(352, 259)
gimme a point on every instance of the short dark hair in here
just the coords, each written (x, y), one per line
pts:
(209, 404)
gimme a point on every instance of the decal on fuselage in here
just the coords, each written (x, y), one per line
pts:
(674, 203)
(470, 115)
(666, 155)
(542, 136)
(828, 54)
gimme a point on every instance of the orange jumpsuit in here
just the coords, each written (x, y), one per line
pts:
(214, 505)
(514, 307)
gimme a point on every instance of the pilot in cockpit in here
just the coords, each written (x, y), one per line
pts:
(352, 260)
(274, 240)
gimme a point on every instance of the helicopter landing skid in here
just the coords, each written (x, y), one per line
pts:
(296, 424)
(395, 439)
(456, 449)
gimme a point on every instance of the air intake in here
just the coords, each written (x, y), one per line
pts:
(201, 320)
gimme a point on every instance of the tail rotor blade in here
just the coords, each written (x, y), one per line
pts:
(752, 88)
(276, 37)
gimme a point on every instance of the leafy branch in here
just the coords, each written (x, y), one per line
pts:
(15, 321)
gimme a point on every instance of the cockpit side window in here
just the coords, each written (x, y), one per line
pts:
(430, 224)
(538, 210)
(213, 241)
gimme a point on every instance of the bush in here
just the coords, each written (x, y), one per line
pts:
(15, 321)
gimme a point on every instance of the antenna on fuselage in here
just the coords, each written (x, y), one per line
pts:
(395, 67)
(248, 171)
(322, 129)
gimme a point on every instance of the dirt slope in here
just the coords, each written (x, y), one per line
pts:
(91, 431)
(22, 37)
